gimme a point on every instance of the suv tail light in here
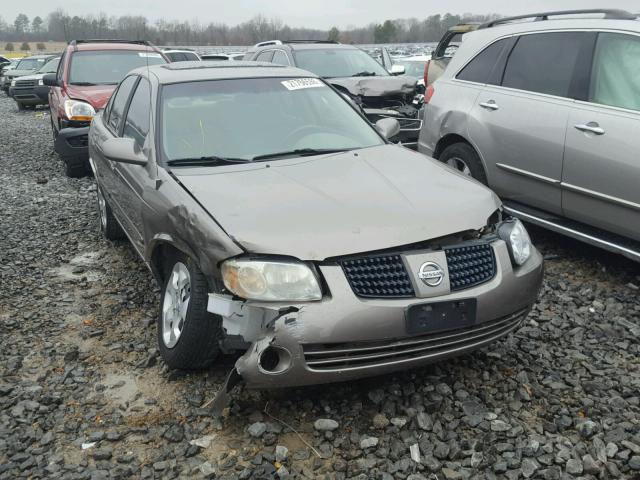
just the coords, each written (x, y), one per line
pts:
(429, 93)
(426, 73)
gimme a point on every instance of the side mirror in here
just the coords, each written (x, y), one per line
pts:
(388, 127)
(50, 80)
(123, 150)
(397, 69)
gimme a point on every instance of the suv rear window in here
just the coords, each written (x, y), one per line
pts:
(108, 67)
(544, 63)
(479, 69)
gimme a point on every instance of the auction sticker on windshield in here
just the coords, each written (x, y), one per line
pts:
(300, 83)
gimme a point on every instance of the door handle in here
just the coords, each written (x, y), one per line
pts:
(490, 105)
(592, 127)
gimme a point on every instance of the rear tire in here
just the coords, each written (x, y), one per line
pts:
(463, 158)
(74, 167)
(109, 226)
(188, 334)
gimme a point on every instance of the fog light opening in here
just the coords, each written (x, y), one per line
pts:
(274, 360)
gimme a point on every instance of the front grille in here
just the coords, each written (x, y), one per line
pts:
(79, 141)
(382, 276)
(352, 356)
(470, 265)
(25, 83)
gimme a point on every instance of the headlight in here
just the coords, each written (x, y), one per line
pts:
(517, 239)
(13, 83)
(77, 110)
(271, 280)
(40, 82)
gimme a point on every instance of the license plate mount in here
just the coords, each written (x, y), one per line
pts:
(440, 316)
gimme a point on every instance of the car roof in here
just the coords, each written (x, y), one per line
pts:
(40, 55)
(476, 41)
(112, 46)
(181, 72)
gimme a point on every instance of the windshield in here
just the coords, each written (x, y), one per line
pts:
(412, 68)
(31, 63)
(108, 66)
(247, 118)
(51, 66)
(338, 62)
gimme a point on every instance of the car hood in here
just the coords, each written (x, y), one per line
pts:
(18, 73)
(319, 207)
(36, 76)
(96, 95)
(375, 86)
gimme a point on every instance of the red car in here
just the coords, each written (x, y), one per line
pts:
(88, 73)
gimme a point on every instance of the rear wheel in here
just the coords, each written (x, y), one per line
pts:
(74, 167)
(188, 334)
(109, 226)
(463, 158)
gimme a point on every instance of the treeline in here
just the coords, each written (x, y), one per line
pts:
(59, 26)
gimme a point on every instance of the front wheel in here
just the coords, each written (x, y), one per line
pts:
(20, 106)
(462, 157)
(74, 167)
(188, 334)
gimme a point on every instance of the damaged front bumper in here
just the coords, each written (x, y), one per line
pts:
(73, 142)
(344, 337)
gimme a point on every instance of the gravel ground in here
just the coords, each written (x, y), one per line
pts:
(83, 393)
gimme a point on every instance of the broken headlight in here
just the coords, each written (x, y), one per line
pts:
(517, 239)
(271, 280)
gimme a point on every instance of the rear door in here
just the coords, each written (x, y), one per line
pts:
(110, 126)
(519, 120)
(602, 157)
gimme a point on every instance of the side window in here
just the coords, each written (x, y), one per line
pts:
(119, 102)
(479, 69)
(136, 125)
(544, 62)
(61, 67)
(265, 56)
(615, 78)
(280, 58)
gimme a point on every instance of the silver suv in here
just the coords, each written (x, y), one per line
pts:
(547, 113)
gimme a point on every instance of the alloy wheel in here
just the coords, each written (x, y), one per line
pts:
(176, 302)
(460, 165)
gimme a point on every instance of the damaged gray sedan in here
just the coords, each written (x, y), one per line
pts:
(280, 223)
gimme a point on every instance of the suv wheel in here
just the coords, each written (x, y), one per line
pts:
(462, 157)
(109, 226)
(20, 106)
(187, 333)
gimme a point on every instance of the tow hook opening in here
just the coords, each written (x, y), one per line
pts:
(274, 360)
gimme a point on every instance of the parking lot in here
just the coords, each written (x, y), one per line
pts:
(84, 394)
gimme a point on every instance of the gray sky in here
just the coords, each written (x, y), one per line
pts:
(309, 13)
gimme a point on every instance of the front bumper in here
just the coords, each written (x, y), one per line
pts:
(73, 142)
(345, 337)
(38, 95)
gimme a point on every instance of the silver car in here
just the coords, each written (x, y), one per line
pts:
(282, 224)
(547, 114)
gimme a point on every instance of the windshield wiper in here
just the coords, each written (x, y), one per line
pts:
(205, 161)
(302, 152)
(364, 74)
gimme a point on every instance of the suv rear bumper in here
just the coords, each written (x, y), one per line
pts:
(73, 142)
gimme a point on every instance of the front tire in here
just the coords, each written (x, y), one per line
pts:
(20, 106)
(188, 334)
(109, 226)
(463, 158)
